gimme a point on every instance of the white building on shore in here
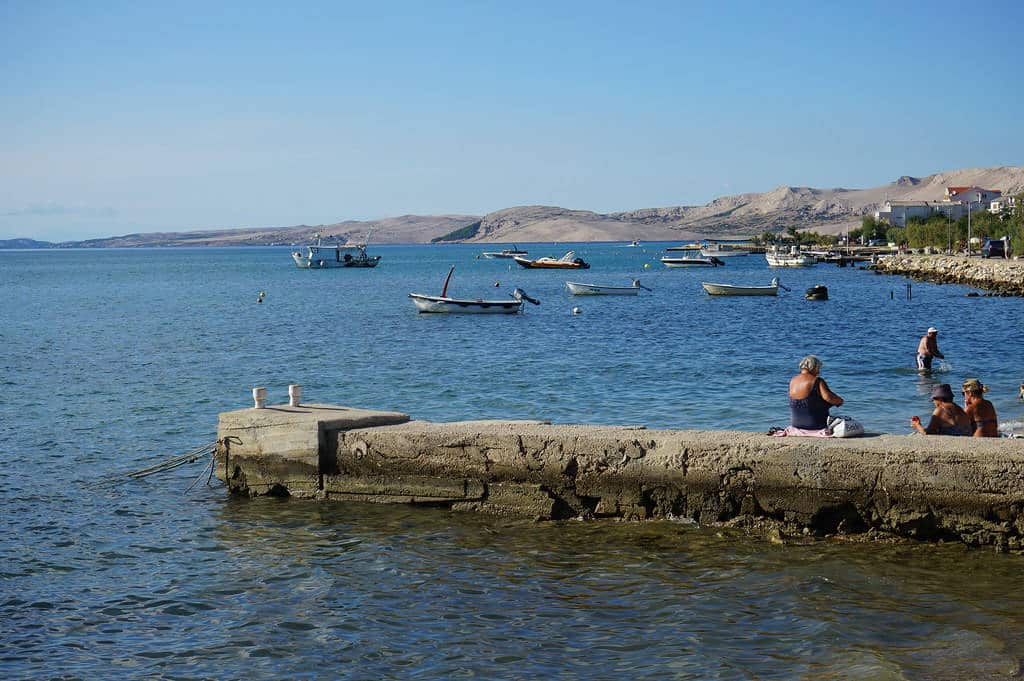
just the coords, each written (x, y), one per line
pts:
(958, 201)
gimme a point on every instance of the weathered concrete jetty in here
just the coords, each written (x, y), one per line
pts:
(929, 488)
(1000, 276)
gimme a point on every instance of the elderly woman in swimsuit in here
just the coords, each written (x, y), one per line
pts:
(810, 397)
(947, 419)
(979, 410)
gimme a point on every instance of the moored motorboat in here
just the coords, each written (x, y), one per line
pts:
(731, 290)
(780, 257)
(691, 261)
(318, 256)
(580, 289)
(505, 252)
(569, 261)
(445, 304)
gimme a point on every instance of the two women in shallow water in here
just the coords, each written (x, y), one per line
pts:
(977, 418)
(810, 397)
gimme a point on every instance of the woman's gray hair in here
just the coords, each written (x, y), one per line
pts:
(811, 363)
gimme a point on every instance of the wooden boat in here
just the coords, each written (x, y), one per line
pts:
(569, 261)
(780, 257)
(505, 252)
(579, 289)
(445, 304)
(691, 261)
(730, 290)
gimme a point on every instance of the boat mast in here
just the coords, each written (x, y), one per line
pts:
(444, 291)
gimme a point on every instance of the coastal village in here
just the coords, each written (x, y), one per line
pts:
(958, 202)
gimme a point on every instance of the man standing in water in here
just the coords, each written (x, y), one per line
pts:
(928, 349)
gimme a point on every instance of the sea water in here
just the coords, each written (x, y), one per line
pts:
(111, 360)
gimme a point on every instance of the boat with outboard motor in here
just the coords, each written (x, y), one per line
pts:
(691, 261)
(505, 252)
(781, 257)
(318, 256)
(731, 290)
(444, 304)
(569, 261)
(579, 289)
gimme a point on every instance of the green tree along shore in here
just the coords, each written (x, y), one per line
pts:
(940, 232)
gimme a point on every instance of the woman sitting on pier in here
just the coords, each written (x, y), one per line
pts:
(947, 419)
(810, 397)
(979, 410)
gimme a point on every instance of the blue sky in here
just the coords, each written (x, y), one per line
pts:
(140, 117)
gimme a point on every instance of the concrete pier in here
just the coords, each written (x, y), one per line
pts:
(930, 488)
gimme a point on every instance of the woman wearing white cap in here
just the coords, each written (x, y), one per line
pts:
(928, 349)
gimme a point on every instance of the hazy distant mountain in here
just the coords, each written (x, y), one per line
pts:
(24, 243)
(824, 210)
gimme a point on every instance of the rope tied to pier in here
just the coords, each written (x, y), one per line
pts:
(191, 456)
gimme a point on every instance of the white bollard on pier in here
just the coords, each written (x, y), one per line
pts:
(259, 396)
(294, 395)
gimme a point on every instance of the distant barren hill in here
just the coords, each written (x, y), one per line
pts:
(823, 210)
(828, 211)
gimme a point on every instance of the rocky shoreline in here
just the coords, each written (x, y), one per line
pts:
(999, 276)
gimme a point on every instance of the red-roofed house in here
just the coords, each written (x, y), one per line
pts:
(972, 194)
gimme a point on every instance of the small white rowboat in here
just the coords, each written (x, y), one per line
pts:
(730, 290)
(578, 289)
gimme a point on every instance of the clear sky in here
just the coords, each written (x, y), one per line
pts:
(144, 116)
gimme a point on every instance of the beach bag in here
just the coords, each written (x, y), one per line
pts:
(845, 426)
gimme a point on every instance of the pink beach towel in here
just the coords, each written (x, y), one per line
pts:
(790, 431)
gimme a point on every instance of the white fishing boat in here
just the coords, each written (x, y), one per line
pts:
(691, 261)
(720, 250)
(445, 304)
(781, 257)
(633, 244)
(505, 252)
(731, 290)
(318, 256)
(579, 289)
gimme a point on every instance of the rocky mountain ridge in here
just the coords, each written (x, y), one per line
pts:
(828, 211)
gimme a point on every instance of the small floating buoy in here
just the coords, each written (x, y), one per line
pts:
(647, 265)
(259, 298)
(497, 284)
(818, 292)
(576, 310)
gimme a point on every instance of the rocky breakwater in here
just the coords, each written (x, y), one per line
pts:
(925, 488)
(1004, 277)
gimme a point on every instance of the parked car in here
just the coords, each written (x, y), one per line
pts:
(993, 248)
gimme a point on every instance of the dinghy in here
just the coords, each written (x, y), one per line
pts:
(580, 289)
(730, 290)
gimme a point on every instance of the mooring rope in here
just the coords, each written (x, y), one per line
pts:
(188, 457)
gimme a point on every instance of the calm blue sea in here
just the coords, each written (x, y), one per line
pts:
(111, 360)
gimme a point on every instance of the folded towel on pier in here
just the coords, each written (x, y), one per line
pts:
(790, 431)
